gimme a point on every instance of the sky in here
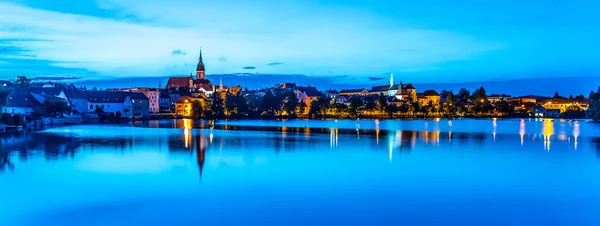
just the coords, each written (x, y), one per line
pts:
(329, 43)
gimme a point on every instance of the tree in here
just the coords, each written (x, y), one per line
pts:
(464, 95)
(370, 106)
(391, 109)
(355, 104)
(504, 108)
(449, 106)
(98, 110)
(23, 81)
(270, 104)
(315, 110)
(254, 103)
(216, 105)
(302, 107)
(594, 105)
(480, 101)
(381, 104)
(55, 108)
(290, 102)
(197, 109)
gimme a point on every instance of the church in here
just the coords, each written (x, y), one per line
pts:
(199, 83)
(400, 91)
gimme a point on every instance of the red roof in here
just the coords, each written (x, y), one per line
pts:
(178, 82)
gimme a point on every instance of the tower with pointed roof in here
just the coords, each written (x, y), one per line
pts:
(200, 74)
(391, 80)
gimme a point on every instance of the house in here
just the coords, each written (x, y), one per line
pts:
(432, 96)
(140, 104)
(183, 106)
(351, 92)
(48, 92)
(498, 98)
(332, 93)
(562, 104)
(234, 90)
(538, 111)
(111, 102)
(77, 99)
(307, 95)
(153, 96)
(288, 85)
(379, 90)
(164, 101)
(20, 101)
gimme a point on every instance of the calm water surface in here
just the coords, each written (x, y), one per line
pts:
(347, 172)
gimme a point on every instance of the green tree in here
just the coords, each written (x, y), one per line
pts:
(270, 104)
(197, 109)
(594, 105)
(55, 108)
(381, 103)
(216, 105)
(289, 102)
(356, 104)
(315, 110)
(254, 103)
(23, 81)
(463, 95)
(390, 110)
(449, 107)
(504, 108)
(302, 107)
(370, 105)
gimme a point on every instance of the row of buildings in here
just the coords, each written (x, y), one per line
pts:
(179, 93)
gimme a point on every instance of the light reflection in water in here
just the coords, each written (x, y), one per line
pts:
(522, 130)
(547, 132)
(576, 132)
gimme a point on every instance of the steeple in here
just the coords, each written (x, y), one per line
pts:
(221, 84)
(200, 68)
(391, 79)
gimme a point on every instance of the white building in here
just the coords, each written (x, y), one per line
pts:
(110, 102)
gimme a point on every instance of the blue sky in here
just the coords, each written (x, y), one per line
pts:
(346, 43)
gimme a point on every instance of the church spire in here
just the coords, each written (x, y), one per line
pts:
(391, 79)
(221, 83)
(200, 74)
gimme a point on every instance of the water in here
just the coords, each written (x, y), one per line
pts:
(347, 172)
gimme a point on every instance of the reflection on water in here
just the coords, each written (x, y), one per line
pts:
(374, 169)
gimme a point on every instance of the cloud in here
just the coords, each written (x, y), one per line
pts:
(274, 64)
(249, 68)
(178, 52)
(375, 78)
(53, 78)
(113, 47)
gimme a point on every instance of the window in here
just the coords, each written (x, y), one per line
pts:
(91, 106)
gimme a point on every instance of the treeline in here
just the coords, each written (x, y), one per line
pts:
(283, 103)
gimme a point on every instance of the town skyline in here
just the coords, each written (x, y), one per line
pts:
(325, 43)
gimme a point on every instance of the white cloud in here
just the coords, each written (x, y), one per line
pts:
(309, 41)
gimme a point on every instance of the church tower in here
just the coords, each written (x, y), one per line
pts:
(200, 68)
(391, 80)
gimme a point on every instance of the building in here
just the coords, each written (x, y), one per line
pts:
(140, 104)
(77, 99)
(48, 92)
(307, 95)
(189, 83)
(234, 90)
(538, 111)
(183, 106)
(562, 104)
(498, 98)
(164, 101)
(429, 96)
(20, 101)
(288, 85)
(111, 102)
(351, 92)
(153, 96)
